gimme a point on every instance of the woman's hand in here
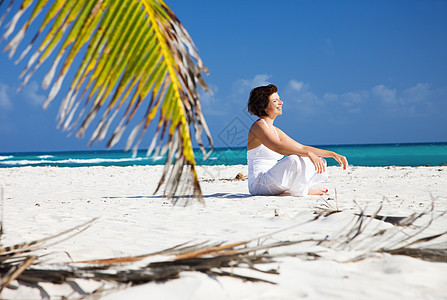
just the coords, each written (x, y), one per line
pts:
(341, 160)
(318, 162)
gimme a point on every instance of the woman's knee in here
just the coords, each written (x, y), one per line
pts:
(293, 163)
(294, 159)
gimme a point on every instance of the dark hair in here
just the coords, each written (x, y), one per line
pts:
(259, 99)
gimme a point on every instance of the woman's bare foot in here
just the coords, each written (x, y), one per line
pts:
(318, 192)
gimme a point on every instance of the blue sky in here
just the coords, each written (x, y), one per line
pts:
(349, 72)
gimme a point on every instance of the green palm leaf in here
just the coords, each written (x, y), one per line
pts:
(122, 53)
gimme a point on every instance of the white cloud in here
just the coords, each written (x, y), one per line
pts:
(244, 86)
(419, 92)
(299, 97)
(407, 101)
(411, 101)
(310, 103)
(31, 93)
(296, 85)
(406, 98)
(385, 94)
(353, 101)
(330, 97)
(298, 92)
(5, 99)
(208, 98)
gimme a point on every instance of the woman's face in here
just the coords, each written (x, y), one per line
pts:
(274, 108)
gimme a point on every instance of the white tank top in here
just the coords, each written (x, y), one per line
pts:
(260, 160)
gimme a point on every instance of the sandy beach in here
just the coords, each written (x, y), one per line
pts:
(41, 201)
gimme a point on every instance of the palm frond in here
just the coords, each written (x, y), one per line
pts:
(16, 259)
(23, 263)
(357, 239)
(131, 53)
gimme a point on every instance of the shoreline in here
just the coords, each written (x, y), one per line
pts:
(226, 147)
(416, 154)
(40, 201)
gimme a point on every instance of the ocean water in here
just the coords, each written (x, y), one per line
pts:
(433, 154)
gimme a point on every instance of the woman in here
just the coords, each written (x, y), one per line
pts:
(268, 172)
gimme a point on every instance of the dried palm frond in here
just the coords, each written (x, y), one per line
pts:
(212, 259)
(428, 254)
(326, 209)
(21, 262)
(120, 53)
(16, 259)
(402, 239)
(363, 236)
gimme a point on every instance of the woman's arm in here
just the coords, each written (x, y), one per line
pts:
(287, 146)
(319, 152)
(284, 145)
(325, 153)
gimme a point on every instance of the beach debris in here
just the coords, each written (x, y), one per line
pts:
(326, 209)
(395, 220)
(240, 176)
(428, 254)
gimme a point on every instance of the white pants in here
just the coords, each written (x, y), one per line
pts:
(293, 173)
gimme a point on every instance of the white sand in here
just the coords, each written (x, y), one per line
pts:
(40, 201)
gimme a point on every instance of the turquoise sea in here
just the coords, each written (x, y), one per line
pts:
(433, 154)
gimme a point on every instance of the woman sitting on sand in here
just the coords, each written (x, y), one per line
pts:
(268, 172)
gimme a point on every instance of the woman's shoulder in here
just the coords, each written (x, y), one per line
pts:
(252, 140)
(259, 123)
(256, 124)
